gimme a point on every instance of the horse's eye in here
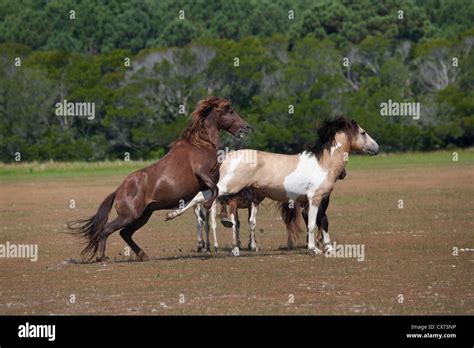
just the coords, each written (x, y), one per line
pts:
(231, 111)
(363, 133)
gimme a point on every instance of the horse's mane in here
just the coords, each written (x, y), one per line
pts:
(195, 133)
(327, 131)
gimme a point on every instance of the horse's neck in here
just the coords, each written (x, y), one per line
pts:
(335, 159)
(213, 135)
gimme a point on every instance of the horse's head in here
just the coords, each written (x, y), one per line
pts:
(228, 119)
(362, 142)
(218, 113)
(345, 134)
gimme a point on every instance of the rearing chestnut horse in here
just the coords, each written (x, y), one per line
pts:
(189, 167)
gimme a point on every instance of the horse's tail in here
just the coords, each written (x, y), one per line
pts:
(93, 228)
(291, 217)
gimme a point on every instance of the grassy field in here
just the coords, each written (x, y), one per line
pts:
(75, 169)
(409, 266)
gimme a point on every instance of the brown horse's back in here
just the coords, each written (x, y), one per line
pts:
(163, 184)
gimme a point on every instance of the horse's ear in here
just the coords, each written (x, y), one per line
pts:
(207, 110)
(354, 123)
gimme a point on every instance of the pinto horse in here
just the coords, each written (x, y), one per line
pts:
(189, 167)
(249, 199)
(308, 177)
(291, 215)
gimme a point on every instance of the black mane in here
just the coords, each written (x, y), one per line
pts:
(327, 131)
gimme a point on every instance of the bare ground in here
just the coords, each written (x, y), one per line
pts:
(409, 266)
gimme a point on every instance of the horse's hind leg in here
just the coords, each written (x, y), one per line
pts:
(112, 226)
(127, 233)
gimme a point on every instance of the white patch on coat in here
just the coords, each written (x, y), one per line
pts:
(229, 174)
(306, 178)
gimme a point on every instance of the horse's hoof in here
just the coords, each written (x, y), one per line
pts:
(171, 215)
(253, 247)
(100, 259)
(227, 223)
(142, 256)
(236, 251)
(315, 251)
(216, 250)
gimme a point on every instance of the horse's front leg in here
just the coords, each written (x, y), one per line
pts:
(252, 225)
(234, 217)
(200, 223)
(323, 224)
(213, 225)
(313, 207)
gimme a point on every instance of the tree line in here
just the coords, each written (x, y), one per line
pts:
(284, 64)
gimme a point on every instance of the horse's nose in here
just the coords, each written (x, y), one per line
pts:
(248, 128)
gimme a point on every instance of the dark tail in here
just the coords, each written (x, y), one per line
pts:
(291, 217)
(93, 228)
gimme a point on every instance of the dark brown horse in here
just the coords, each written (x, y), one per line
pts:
(189, 167)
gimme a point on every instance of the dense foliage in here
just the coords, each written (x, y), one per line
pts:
(283, 63)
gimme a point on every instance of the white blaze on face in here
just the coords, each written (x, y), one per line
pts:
(306, 178)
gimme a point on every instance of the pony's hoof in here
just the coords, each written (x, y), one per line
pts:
(227, 223)
(253, 247)
(171, 215)
(315, 251)
(216, 250)
(100, 259)
(142, 256)
(236, 251)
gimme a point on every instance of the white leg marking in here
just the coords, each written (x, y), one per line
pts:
(213, 224)
(235, 247)
(199, 198)
(327, 241)
(199, 224)
(252, 226)
(312, 214)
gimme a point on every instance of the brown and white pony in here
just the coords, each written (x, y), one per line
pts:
(308, 177)
(245, 199)
(189, 167)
